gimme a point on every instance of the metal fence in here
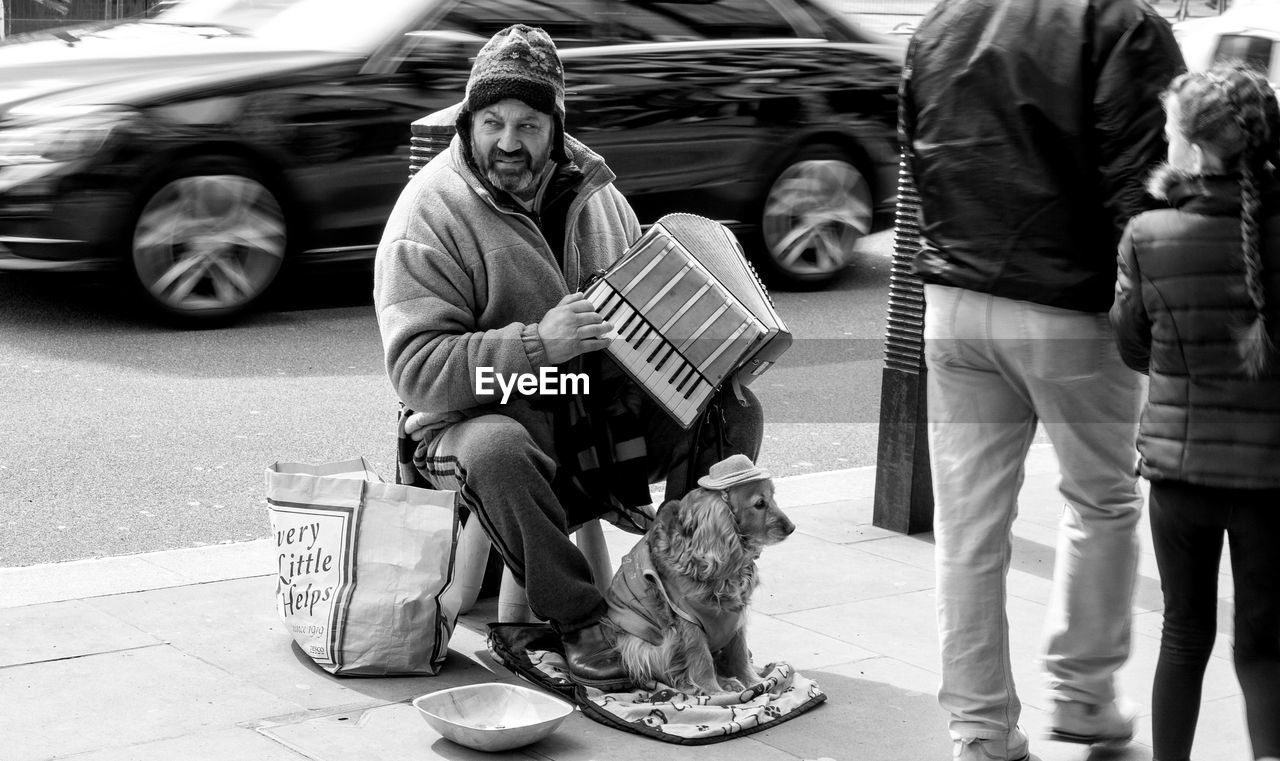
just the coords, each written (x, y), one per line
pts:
(29, 15)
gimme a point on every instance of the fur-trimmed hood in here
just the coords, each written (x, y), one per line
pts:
(1212, 194)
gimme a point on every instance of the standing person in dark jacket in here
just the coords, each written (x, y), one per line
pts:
(1030, 126)
(1195, 308)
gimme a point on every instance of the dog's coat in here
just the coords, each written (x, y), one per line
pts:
(637, 597)
(678, 604)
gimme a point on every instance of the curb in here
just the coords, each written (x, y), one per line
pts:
(127, 574)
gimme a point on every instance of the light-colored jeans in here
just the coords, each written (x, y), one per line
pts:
(996, 368)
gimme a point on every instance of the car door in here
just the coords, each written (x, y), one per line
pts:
(349, 130)
(350, 137)
(673, 101)
(365, 120)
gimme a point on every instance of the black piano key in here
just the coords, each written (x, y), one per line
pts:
(685, 375)
(625, 324)
(692, 387)
(694, 377)
(678, 379)
(635, 329)
(681, 376)
(670, 351)
(661, 345)
(611, 305)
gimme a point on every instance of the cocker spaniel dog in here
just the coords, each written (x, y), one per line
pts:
(678, 604)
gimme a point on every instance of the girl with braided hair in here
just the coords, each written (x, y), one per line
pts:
(1197, 308)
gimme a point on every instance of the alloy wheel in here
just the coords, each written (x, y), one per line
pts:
(208, 245)
(815, 212)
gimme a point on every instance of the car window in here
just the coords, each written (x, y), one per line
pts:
(832, 25)
(676, 21)
(1253, 51)
(296, 24)
(569, 22)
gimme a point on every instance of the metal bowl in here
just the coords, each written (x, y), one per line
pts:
(492, 716)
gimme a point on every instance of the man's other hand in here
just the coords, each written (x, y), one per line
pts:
(572, 327)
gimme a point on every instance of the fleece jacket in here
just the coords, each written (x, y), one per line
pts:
(461, 281)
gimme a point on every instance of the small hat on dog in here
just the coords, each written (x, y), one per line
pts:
(732, 471)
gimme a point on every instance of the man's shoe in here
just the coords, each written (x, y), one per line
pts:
(1013, 748)
(1088, 724)
(593, 661)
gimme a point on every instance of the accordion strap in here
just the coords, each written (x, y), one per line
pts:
(711, 420)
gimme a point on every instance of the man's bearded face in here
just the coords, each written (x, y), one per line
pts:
(511, 142)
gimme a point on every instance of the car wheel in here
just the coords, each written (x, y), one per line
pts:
(814, 212)
(208, 241)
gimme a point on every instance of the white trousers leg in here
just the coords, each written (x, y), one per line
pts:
(997, 368)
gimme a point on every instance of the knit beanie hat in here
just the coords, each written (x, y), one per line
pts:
(518, 62)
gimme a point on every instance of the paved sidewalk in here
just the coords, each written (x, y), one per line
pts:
(180, 655)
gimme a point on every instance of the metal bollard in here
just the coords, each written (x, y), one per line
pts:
(904, 492)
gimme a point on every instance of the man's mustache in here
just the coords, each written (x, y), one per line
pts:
(496, 154)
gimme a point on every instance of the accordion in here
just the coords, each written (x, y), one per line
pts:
(688, 313)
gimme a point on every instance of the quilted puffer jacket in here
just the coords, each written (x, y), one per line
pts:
(1180, 296)
(1033, 125)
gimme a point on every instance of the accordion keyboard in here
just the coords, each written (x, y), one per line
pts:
(675, 328)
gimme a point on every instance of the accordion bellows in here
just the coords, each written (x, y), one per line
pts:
(689, 313)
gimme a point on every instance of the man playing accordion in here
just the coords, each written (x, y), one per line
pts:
(478, 278)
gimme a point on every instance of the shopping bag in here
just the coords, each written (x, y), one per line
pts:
(362, 567)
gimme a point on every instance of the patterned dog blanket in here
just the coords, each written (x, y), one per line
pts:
(534, 652)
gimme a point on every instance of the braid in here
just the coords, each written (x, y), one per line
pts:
(1256, 116)
(1255, 341)
(1231, 110)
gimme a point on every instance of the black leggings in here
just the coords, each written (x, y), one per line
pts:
(1187, 526)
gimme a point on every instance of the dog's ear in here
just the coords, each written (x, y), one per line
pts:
(706, 522)
(668, 515)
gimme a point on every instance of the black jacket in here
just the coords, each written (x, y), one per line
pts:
(1032, 125)
(1180, 299)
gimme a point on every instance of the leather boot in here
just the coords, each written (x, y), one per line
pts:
(593, 660)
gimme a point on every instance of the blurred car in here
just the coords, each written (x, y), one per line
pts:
(1249, 31)
(203, 148)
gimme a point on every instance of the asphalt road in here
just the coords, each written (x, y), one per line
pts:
(120, 436)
